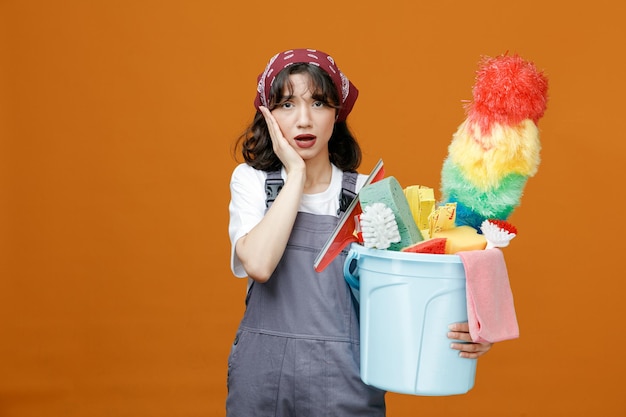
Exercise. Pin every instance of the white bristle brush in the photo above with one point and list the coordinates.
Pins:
(498, 233)
(378, 226)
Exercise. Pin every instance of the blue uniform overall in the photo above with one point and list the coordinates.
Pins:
(296, 352)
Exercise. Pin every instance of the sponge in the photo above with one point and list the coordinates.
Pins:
(422, 203)
(434, 246)
(462, 238)
(389, 192)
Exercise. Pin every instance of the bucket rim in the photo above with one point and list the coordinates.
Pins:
(407, 256)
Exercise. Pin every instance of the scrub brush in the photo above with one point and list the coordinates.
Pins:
(378, 225)
(498, 233)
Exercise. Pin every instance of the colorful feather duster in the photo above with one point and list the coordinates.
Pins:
(496, 149)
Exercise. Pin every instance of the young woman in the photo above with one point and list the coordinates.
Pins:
(296, 351)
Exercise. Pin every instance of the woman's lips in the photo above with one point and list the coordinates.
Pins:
(305, 141)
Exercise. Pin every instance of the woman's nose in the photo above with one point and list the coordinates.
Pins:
(304, 116)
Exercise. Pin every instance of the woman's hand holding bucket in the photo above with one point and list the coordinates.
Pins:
(467, 348)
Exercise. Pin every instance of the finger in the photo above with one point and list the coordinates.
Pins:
(459, 327)
(266, 112)
(279, 143)
(471, 350)
(472, 347)
(463, 336)
(471, 355)
(272, 124)
(283, 150)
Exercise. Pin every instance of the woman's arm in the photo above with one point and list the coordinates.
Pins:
(262, 248)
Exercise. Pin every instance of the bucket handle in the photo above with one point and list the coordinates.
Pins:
(351, 269)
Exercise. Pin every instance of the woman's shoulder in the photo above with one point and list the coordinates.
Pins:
(244, 172)
(243, 169)
(247, 187)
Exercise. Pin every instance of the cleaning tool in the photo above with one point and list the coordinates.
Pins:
(490, 307)
(378, 226)
(344, 233)
(496, 149)
(461, 238)
(406, 303)
(389, 192)
(498, 233)
(435, 246)
(422, 203)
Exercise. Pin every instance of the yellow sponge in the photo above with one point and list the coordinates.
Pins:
(421, 200)
(461, 238)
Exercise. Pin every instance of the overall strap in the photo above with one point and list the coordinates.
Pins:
(348, 191)
(273, 184)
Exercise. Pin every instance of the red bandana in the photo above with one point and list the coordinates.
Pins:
(278, 62)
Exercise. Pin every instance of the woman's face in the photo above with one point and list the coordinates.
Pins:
(306, 122)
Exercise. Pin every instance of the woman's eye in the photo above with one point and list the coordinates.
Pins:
(286, 105)
(319, 104)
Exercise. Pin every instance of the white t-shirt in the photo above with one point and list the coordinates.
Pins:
(247, 203)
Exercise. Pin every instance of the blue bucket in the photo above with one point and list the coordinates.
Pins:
(407, 301)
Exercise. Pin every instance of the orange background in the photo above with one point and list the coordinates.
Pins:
(116, 125)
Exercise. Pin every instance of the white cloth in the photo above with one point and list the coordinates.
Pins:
(247, 203)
